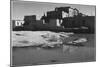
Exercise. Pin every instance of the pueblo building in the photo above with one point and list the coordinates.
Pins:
(61, 19)
(17, 23)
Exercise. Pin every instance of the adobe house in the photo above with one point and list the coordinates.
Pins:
(17, 23)
(29, 19)
(55, 18)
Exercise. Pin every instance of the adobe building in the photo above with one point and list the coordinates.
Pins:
(17, 23)
(29, 19)
(68, 17)
(58, 15)
(62, 18)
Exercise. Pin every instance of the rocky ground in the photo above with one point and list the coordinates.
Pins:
(45, 39)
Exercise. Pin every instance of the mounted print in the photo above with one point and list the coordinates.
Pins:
(52, 33)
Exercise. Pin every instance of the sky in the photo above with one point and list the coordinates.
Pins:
(21, 8)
